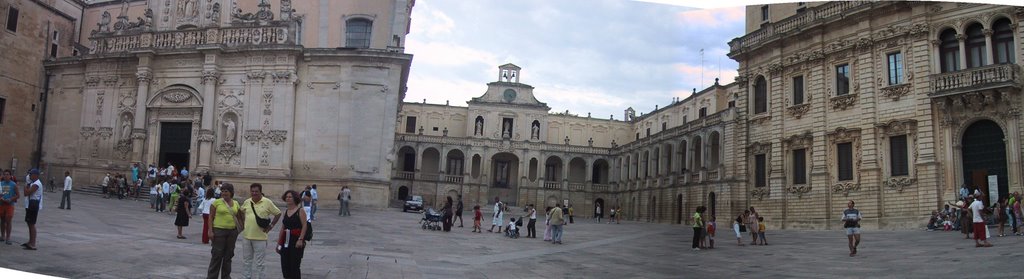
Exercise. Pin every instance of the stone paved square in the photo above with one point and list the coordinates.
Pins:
(103, 238)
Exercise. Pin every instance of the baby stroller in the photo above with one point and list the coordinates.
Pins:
(512, 231)
(431, 219)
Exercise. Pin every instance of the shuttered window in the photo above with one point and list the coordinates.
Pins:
(898, 163)
(844, 156)
(760, 179)
(800, 166)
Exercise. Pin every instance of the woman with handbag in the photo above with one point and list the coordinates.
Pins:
(292, 241)
(227, 222)
(738, 227)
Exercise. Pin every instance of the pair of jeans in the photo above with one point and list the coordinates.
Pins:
(222, 253)
(556, 233)
(66, 196)
(253, 252)
(344, 208)
(312, 211)
(531, 228)
(696, 237)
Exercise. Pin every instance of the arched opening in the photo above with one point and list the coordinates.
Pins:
(668, 158)
(697, 158)
(533, 169)
(505, 171)
(760, 95)
(478, 126)
(712, 202)
(984, 155)
(407, 159)
(577, 170)
(655, 162)
(949, 51)
(553, 169)
(679, 209)
(683, 166)
(634, 209)
(643, 164)
(403, 193)
(431, 158)
(475, 171)
(456, 162)
(627, 167)
(716, 147)
(599, 174)
(1002, 42)
(652, 210)
(975, 44)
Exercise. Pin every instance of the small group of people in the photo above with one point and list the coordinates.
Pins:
(971, 215)
(614, 214)
(253, 219)
(32, 191)
(705, 227)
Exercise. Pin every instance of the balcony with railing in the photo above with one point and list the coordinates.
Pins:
(552, 185)
(813, 16)
(453, 178)
(577, 186)
(275, 33)
(975, 79)
(599, 187)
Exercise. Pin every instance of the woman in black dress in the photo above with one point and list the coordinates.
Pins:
(183, 212)
(292, 243)
(447, 217)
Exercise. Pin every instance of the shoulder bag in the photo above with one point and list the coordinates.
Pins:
(263, 223)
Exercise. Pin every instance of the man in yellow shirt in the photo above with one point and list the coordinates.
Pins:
(254, 237)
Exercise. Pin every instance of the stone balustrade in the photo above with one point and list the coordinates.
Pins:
(552, 185)
(599, 187)
(502, 144)
(279, 34)
(971, 79)
(801, 21)
(577, 186)
(453, 178)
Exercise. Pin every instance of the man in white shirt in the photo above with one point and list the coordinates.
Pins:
(67, 191)
(166, 196)
(312, 194)
(106, 186)
(977, 208)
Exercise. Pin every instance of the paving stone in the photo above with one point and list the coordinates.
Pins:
(104, 238)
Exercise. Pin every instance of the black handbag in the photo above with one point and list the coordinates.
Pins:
(309, 231)
(263, 223)
(743, 228)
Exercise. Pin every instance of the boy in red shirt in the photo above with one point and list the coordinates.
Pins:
(477, 216)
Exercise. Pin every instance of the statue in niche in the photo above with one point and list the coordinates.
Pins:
(188, 9)
(479, 127)
(126, 127)
(507, 130)
(535, 134)
(229, 131)
(214, 13)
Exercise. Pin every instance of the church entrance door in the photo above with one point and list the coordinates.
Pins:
(984, 155)
(175, 141)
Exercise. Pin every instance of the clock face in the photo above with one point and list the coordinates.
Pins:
(510, 95)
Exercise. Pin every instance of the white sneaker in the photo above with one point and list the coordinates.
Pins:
(696, 249)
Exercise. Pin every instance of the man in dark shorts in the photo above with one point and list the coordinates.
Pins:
(851, 223)
(33, 191)
(458, 211)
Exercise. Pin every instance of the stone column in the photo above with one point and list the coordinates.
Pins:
(988, 48)
(206, 135)
(144, 75)
(963, 51)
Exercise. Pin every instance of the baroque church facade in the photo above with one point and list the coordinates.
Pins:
(269, 91)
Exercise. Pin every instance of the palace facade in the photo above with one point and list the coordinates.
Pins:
(894, 105)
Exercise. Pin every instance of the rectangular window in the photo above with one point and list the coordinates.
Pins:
(684, 119)
(12, 19)
(760, 170)
(435, 129)
(798, 90)
(410, 124)
(53, 44)
(732, 104)
(895, 68)
(844, 156)
(648, 132)
(3, 107)
(800, 166)
(664, 126)
(637, 135)
(764, 13)
(898, 162)
(702, 113)
(842, 79)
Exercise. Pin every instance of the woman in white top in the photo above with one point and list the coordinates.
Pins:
(153, 196)
(205, 208)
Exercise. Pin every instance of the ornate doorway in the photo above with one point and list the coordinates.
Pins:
(403, 193)
(175, 142)
(983, 150)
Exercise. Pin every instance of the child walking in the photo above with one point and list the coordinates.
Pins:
(760, 231)
(477, 216)
(711, 232)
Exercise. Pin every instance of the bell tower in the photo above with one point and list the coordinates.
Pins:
(508, 73)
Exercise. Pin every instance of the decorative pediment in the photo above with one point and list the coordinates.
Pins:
(799, 141)
(176, 96)
(843, 134)
(798, 111)
(759, 148)
(897, 127)
(843, 102)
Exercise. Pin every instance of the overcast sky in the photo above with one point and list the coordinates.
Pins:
(597, 56)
